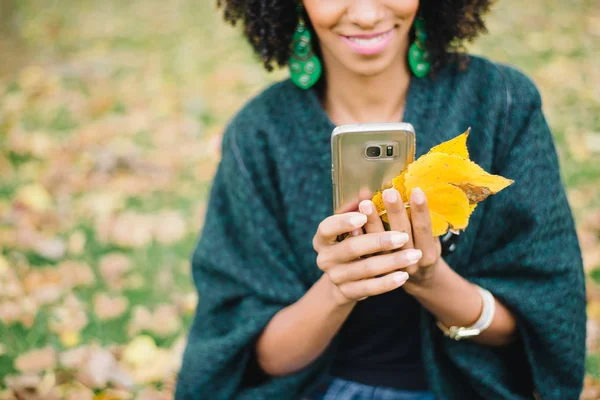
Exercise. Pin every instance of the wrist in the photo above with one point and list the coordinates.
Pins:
(486, 316)
(333, 294)
(429, 281)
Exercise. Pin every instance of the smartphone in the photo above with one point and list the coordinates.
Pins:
(365, 159)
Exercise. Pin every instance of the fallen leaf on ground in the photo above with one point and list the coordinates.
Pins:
(75, 273)
(69, 317)
(32, 387)
(132, 230)
(50, 248)
(75, 391)
(169, 227)
(33, 196)
(45, 284)
(70, 339)
(593, 334)
(97, 367)
(113, 394)
(146, 362)
(23, 309)
(6, 168)
(186, 303)
(36, 360)
(107, 307)
(140, 350)
(10, 312)
(10, 284)
(76, 244)
(164, 321)
(113, 267)
(152, 394)
(141, 319)
(73, 358)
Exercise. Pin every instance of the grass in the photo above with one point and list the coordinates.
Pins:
(155, 82)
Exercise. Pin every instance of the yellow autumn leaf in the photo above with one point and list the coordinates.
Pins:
(452, 183)
(142, 349)
(4, 266)
(70, 339)
(398, 183)
(34, 196)
(593, 309)
(112, 394)
(448, 206)
(456, 146)
(378, 201)
(435, 168)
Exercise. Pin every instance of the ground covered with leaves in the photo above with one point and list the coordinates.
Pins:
(110, 121)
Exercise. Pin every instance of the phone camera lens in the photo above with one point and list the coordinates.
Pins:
(390, 151)
(373, 151)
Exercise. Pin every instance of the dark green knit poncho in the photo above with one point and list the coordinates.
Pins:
(273, 187)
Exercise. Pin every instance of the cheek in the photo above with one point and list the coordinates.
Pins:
(324, 15)
(403, 8)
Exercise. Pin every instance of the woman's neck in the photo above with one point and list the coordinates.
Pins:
(350, 99)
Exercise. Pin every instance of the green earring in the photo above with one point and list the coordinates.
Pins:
(305, 66)
(418, 56)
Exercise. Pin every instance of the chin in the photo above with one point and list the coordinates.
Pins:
(370, 68)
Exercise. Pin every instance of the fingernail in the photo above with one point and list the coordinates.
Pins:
(400, 277)
(390, 195)
(417, 195)
(365, 207)
(398, 239)
(358, 221)
(414, 255)
(355, 232)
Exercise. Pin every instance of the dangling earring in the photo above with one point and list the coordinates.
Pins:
(305, 66)
(418, 56)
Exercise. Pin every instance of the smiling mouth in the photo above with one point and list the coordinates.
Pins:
(369, 40)
(369, 45)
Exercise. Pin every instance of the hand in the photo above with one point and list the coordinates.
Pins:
(353, 277)
(417, 226)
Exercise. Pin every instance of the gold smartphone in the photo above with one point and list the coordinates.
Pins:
(365, 159)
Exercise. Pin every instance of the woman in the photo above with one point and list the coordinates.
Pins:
(279, 313)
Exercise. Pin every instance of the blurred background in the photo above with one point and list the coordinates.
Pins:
(110, 120)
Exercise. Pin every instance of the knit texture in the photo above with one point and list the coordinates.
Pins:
(273, 188)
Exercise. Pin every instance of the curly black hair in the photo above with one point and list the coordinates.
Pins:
(269, 26)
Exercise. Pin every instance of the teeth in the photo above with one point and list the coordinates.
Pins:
(367, 42)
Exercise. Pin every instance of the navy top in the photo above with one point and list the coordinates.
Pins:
(380, 343)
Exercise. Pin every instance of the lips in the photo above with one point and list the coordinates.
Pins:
(369, 44)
